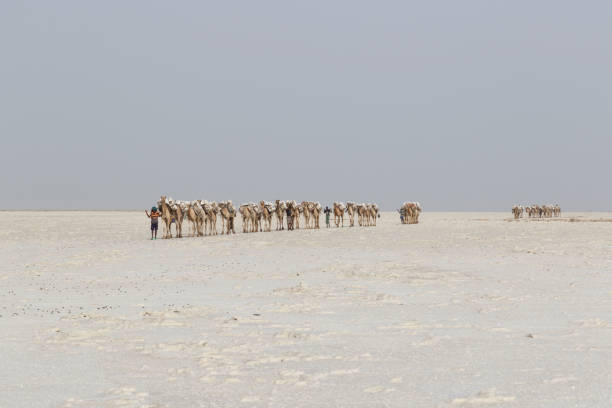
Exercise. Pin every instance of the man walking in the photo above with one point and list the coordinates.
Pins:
(327, 212)
(289, 219)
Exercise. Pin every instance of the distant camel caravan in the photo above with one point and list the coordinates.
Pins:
(536, 211)
(201, 215)
(409, 213)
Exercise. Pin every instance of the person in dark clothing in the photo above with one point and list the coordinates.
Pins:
(327, 212)
(289, 219)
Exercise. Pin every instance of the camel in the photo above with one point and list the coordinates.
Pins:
(280, 214)
(516, 212)
(171, 211)
(181, 211)
(201, 218)
(315, 214)
(184, 207)
(364, 215)
(213, 218)
(360, 210)
(205, 205)
(267, 209)
(195, 215)
(417, 212)
(557, 210)
(339, 214)
(373, 213)
(228, 214)
(368, 215)
(350, 211)
(245, 213)
(297, 209)
(210, 217)
(306, 208)
(166, 216)
(192, 218)
(295, 213)
(256, 216)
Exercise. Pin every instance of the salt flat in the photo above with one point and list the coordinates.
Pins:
(463, 309)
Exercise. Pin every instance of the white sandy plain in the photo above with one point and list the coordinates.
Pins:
(463, 309)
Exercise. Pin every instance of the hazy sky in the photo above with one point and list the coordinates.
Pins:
(461, 105)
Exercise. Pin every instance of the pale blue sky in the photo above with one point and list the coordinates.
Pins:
(470, 105)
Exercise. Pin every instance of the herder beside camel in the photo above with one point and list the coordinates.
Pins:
(154, 221)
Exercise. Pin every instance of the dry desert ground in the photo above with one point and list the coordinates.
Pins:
(463, 309)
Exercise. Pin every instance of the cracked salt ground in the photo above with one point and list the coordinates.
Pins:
(459, 310)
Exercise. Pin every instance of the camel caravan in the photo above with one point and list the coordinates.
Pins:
(201, 216)
(366, 214)
(409, 213)
(536, 211)
(258, 217)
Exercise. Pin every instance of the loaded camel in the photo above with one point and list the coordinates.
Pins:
(228, 214)
(339, 214)
(280, 214)
(350, 210)
(267, 209)
(171, 211)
